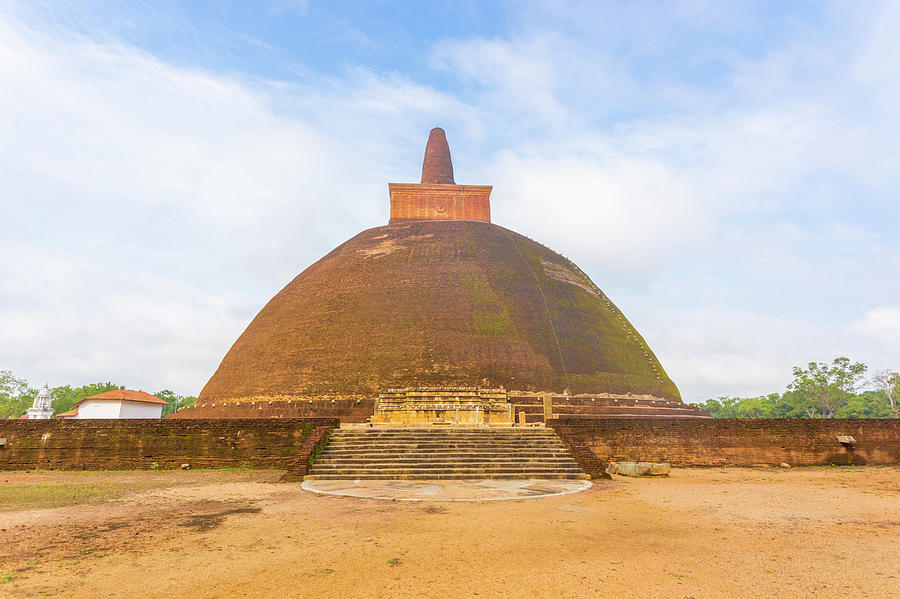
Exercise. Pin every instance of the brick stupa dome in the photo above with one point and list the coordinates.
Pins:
(438, 297)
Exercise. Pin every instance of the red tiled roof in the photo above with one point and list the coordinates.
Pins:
(68, 414)
(124, 395)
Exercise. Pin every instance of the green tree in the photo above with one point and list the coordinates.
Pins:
(823, 389)
(888, 382)
(174, 402)
(15, 395)
(868, 404)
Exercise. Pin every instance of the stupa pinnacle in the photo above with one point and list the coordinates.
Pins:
(438, 197)
(437, 168)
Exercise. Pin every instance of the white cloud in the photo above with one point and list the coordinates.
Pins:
(150, 210)
(741, 220)
(882, 324)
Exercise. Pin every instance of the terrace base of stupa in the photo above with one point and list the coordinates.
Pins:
(443, 406)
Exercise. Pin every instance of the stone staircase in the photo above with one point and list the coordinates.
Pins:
(445, 454)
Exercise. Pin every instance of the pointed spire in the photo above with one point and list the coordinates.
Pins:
(437, 168)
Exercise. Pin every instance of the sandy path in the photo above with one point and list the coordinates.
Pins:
(700, 533)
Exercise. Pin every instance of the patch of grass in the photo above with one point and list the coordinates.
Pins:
(243, 466)
(832, 467)
(46, 495)
(58, 494)
(8, 577)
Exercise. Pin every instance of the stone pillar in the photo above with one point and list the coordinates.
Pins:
(548, 407)
(521, 419)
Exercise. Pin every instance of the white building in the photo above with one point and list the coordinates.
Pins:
(118, 403)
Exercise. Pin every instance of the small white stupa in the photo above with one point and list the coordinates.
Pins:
(40, 409)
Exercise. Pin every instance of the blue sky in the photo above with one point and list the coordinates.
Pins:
(726, 172)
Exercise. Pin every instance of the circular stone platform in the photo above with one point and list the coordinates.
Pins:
(446, 490)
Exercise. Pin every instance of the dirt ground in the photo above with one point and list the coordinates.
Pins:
(710, 533)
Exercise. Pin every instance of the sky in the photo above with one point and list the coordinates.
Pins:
(727, 172)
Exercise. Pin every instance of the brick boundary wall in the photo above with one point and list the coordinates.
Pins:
(306, 456)
(137, 444)
(583, 454)
(736, 442)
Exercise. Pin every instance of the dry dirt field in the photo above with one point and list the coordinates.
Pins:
(830, 532)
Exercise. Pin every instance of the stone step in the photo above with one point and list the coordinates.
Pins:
(435, 458)
(444, 476)
(439, 442)
(445, 460)
(449, 432)
(448, 464)
(473, 472)
(459, 454)
(445, 455)
(381, 448)
(537, 434)
(444, 436)
(462, 436)
(443, 449)
(448, 447)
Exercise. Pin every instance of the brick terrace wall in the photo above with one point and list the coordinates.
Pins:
(138, 444)
(601, 406)
(346, 410)
(360, 409)
(737, 442)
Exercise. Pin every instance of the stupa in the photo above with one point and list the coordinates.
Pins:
(439, 297)
(41, 409)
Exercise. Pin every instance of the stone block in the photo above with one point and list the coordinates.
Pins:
(659, 469)
(638, 469)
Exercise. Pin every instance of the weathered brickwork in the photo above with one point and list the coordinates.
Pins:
(410, 201)
(142, 444)
(437, 303)
(736, 442)
(603, 406)
(583, 454)
(360, 409)
(346, 410)
(307, 454)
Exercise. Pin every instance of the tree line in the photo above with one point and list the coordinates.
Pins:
(16, 396)
(837, 390)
